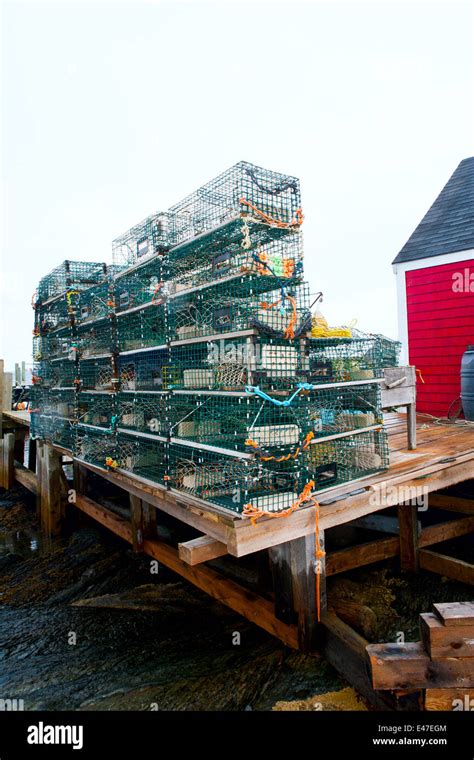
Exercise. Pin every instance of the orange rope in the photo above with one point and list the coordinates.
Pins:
(418, 372)
(307, 440)
(296, 222)
(156, 291)
(289, 333)
(254, 513)
(319, 556)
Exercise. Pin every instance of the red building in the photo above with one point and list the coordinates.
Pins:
(435, 284)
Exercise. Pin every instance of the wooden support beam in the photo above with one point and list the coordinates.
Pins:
(442, 640)
(434, 534)
(8, 460)
(149, 519)
(19, 451)
(201, 550)
(2, 468)
(51, 502)
(243, 601)
(80, 478)
(449, 699)
(39, 478)
(408, 523)
(364, 554)
(25, 477)
(355, 614)
(280, 563)
(136, 521)
(411, 425)
(456, 569)
(408, 666)
(303, 573)
(451, 503)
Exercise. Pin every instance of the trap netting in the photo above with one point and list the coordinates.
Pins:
(57, 373)
(145, 457)
(142, 329)
(95, 446)
(139, 286)
(145, 412)
(143, 370)
(98, 374)
(350, 457)
(244, 189)
(97, 338)
(57, 344)
(232, 482)
(234, 306)
(57, 314)
(153, 235)
(242, 423)
(97, 408)
(70, 275)
(348, 407)
(231, 364)
(95, 303)
(237, 248)
(335, 360)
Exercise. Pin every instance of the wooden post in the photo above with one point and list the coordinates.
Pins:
(303, 569)
(411, 421)
(51, 502)
(2, 473)
(280, 559)
(408, 524)
(149, 520)
(8, 460)
(32, 454)
(136, 519)
(39, 478)
(80, 478)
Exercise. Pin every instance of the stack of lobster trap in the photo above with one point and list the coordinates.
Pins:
(190, 362)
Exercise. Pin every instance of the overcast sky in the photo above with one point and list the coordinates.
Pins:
(111, 112)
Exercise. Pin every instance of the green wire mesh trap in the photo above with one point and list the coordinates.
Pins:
(229, 195)
(143, 412)
(153, 235)
(57, 314)
(143, 456)
(97, 338)
(97, 408)
(144, 370)
(241, 423)
(70, 275)
(142, 329)
(139, 286)
(95, 303)
(98, 374)
(333, 462)
(232, 482)
(362, 357)
(231, 364)
(345, 408)
(234, 306)
(237, 248)
(98, 447)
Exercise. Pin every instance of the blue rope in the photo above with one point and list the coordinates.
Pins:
(254, 389)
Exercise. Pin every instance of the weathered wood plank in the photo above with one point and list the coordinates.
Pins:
(449, 699)
(434, 534)
(408, 666)
(280, 561)
(408, 524)
(456, 569)
(201, 549)
(25, 477)
(446, 640)
(451, 503)
(364, 554)
(8, 460)
(136, 515)
(455, 613)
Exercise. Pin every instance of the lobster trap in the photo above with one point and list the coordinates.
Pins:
(240, 422)
(62, 432)
(231, 364)
(142, 455)
(58, 344)
(57, 314)
(96, 446)
(139, 286)
(97, 338)
(142, 329)
(233, 482)
(237, 248)
(70, 275)
(143, 370)
(153, 235)
(344, 408)
(57, 373)
(349, 457)
(95, 303)
(336, 360)
(234, 306)
(144, 412)
(244, 189)
(98, 409)
(98, 374)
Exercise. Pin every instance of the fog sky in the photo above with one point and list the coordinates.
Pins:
(111, 112)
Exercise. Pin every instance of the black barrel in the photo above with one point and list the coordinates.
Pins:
(467, 383)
